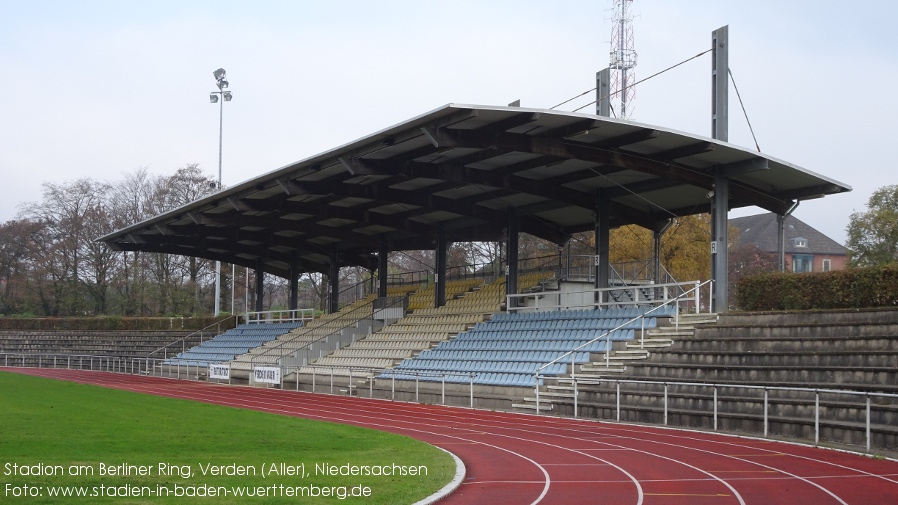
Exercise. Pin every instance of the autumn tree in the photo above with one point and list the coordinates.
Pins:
(73, 271)
(16, 262)
(873, 234)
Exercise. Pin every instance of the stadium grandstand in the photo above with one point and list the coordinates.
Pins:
(557, 339)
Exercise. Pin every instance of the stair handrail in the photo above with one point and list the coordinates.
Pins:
(608, 297)
(363, 311)
(396, 302)
(607, 336)
(183, 339)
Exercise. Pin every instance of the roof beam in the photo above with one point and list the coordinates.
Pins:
(684, 151)
(428, 200)
(640, 163)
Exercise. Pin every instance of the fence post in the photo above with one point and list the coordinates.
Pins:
(608, 350)
(575, 398)
(765, 412)
(665, 404)
(350, 382)
(816, 418)
(715, 408)
(332, 380)
(472, 391)
(313, 378)
(536, 389)
(698, 297)
(444, 389)
(392, 386)
(371, 386)
(618, 400)
(642, 334)
(868, 423)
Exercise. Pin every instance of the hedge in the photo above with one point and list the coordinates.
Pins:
(844, 289)
(111, 323)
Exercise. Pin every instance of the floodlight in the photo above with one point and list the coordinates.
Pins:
(222, 83)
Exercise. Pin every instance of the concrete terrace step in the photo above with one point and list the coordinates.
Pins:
(569, 389)
(599, 368)
(630, 355)
(670, 332)
(531, 405)
(651, 343)
(554, 394)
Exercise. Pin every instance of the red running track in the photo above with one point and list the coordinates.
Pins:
(525, 459)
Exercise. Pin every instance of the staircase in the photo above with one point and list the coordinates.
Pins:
(616, 363)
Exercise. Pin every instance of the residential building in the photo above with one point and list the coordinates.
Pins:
(806, 249)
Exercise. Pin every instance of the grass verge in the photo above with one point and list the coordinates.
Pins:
(129, 448)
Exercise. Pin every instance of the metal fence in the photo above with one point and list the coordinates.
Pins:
(804, 408)
(871, 416)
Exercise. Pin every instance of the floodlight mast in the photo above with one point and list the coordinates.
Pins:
(226, 96)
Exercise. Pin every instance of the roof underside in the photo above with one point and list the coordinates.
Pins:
(465, 169)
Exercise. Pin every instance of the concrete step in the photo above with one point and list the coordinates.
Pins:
(650, 343)
(630, 354)
(586, 377)
(555, 394)
(670, 332)
(543, 406)
(612, 362)
(600, 368)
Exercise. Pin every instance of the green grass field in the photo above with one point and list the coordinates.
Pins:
(67, 429)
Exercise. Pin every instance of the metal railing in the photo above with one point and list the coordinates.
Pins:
(622, 296)
(688, 295)
(329, 373)
(352, 318)
(203, 333)
(873, 404)
(157, 367)
(280, 316)
(762, 397)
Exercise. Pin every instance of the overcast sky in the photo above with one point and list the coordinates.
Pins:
(101, 88)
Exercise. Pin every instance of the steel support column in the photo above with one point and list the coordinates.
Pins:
(442, 250)
(719, 81)
(781, 237)
(602, 245)
(333, 281)
(720, 204)
(294, 284)
(511, 278)
(603, 93)
(720, 239)
(781, 243)
(260, 285)
(382, 252)
(657, 233)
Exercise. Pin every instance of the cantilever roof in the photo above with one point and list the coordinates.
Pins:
(461, 170)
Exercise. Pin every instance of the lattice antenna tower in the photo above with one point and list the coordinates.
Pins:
(623, 57)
